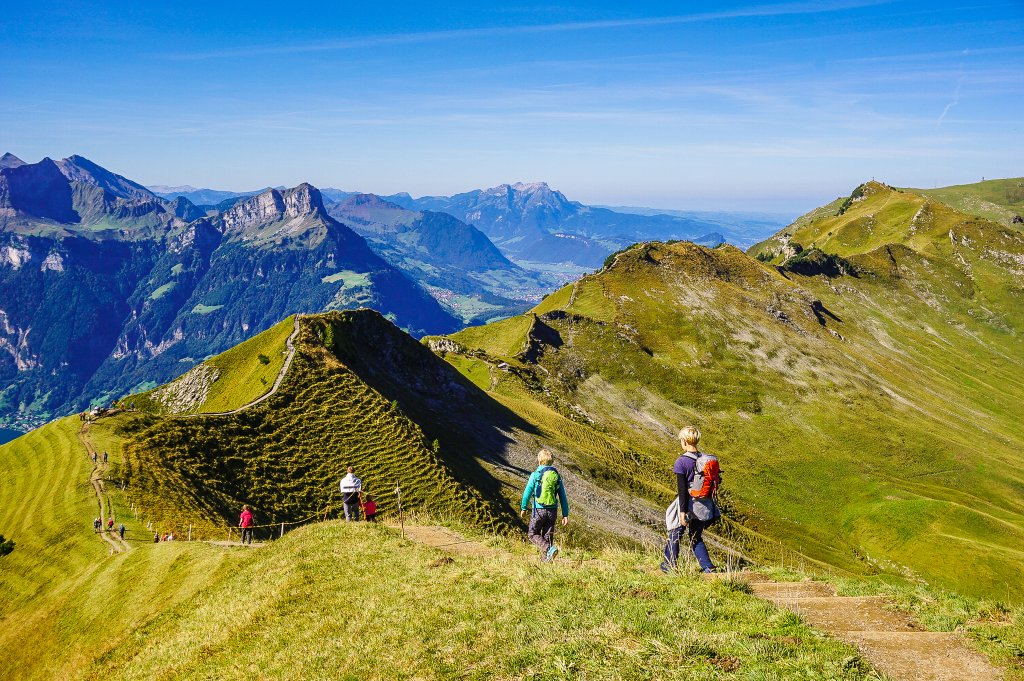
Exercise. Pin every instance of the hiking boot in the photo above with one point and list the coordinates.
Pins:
(664, 567)
(552, 552)
(710, 570)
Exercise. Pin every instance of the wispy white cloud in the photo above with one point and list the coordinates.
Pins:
(793, 8)
(956, 95)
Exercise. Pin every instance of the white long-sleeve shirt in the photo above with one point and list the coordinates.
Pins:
(351, 484)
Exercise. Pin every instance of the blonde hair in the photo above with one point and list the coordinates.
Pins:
(689, 436)
(544, 457)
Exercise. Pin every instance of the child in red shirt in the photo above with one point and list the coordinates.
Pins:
(370, 510)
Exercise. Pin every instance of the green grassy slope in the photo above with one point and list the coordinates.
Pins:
(344, 601)
(870, 421)
(996, 200)
(242, 374)
(285, 455)
(354, 600)
(64, 599)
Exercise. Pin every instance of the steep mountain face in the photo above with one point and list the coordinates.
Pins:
(115, 288)
(532, 222)
(860, 380)
(9, 160)
(38, 190)
(461, 267)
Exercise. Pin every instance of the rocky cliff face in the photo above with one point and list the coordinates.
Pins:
(273, 206)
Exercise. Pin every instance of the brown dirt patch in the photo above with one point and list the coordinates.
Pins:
(448, 540)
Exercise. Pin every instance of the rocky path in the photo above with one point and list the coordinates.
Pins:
(891, 641)
(104, 507)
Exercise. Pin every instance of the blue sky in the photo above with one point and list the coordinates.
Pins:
(677, 105)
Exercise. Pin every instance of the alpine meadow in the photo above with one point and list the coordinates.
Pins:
(528, 342)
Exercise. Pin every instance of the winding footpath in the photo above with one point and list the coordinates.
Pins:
(290, 349)
(103, 505)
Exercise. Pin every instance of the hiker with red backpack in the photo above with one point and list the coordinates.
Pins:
(547, 491)
(696, 506)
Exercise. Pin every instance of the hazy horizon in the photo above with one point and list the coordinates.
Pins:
(738, 106)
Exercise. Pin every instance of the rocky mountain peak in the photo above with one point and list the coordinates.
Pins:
(9, 160)
(304, 199)
(36, 189)
(80, 169)
(272, 206)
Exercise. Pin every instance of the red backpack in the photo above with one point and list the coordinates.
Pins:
(707, 476)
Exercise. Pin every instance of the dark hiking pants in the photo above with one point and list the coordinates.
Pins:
(542, 528)
(246, 535)
(695, 534)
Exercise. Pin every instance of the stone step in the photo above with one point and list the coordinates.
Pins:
(848, 613)
(922, 655)
(774, 590)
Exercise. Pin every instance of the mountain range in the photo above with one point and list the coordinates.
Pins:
(858, 373)
(457, 262)
(537, 226)
(109, 287)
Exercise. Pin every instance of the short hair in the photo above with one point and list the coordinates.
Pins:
(689, 435)
(544, 457)
(351, 470)
(245, 507)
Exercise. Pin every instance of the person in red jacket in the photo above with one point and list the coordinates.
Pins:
(370, 509)
(245, 522)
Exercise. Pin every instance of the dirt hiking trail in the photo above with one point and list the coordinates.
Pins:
(447, 540)
(890, 640)
(104, 507)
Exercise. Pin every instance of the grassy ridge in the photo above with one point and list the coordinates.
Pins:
(866, 421)
(996, 200)
(344, 601)
(244, 373)
(285, 455)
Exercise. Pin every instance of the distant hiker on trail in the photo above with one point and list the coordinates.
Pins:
(697, 480)
(94, 457)
(245, 522)
(547, 491)
(110, 524)
(156, 538)
(104, 457)
(97, 524)
(370, 509)
(351, 495)
(120, 530)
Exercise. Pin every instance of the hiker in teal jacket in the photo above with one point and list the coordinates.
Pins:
(547, 491)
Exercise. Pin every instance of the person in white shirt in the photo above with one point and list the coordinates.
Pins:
(351, 495)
